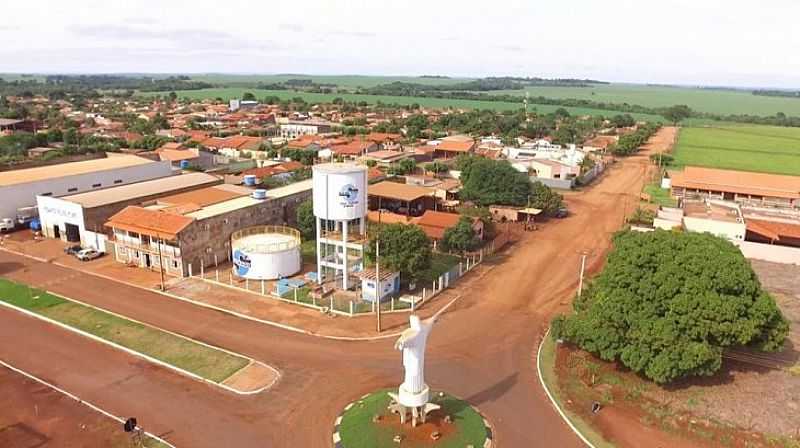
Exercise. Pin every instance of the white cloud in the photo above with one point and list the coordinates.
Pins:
(734, 42)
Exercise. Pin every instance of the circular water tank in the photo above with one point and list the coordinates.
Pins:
(266, 252)
(340, 191)
(259, 194)
(249, 179)
(184, 164)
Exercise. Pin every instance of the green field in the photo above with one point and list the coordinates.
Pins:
(704, 100)
(748, 148)
(227, 93)
(207, 362)
(348, 81)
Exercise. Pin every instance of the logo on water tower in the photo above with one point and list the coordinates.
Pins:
(349, 195)
(242, 263)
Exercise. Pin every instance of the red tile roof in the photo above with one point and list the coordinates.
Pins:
(455, 146)
(741, 182)
(434, 224)
(774, 230)
(149, 222)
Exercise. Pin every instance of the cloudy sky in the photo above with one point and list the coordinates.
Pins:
(716, 42)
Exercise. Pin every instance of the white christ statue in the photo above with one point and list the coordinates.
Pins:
(414, 393)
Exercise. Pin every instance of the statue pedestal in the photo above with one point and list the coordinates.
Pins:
(416, 403)
(413, 400)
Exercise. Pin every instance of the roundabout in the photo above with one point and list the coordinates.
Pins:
(369, 422)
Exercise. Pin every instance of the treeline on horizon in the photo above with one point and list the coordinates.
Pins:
(91, 86)
(778, 93)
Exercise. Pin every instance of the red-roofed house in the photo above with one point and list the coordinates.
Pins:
(434, 224)
(448, 149)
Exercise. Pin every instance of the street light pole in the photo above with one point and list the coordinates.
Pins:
(160, 262)
(378, 282)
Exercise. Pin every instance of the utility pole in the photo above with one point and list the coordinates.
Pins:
(580, 281)
(160, 263)
(378, 282)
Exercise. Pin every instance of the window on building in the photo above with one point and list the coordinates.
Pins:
(97, 185)
(133, 235)
(70, 190)
(175, 264)
(50, 193)
(118, 181)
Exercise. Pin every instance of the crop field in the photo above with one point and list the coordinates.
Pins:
(227, 93)
(748, 148)
(348, 81)
(704, 100)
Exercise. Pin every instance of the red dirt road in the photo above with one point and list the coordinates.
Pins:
(482, 350)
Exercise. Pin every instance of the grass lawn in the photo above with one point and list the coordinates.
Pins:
(204, 361)
(227, 93)
(547, 361)
(766, 149)
(440, 263)
(660, 196)
(357, 429)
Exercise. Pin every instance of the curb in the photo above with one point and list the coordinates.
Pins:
(337, 439)
(79, 400)
(142, 355)
(206, 305)
(550, 395)
(219, 309)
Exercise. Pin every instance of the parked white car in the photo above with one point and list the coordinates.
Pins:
(6, 225)
(88, 254)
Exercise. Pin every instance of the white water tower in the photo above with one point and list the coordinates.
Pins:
(340, 207)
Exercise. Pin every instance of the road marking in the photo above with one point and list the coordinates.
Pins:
(79, 400)
(550, 396)
(142, 355)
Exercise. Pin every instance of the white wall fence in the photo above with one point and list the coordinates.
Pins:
(769, 252)
(338, 303)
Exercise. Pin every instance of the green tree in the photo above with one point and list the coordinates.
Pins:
(668, 303)
(248, 96)
(489, 182)
(545, 199)
(461, 237)
(436, 167)
(306, 223)
(676, 114)
(404, 248)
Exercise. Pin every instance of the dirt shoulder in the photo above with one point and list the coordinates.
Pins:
(32, 414)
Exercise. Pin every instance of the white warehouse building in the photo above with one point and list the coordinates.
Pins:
(19, 188)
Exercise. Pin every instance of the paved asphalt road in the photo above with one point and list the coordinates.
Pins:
(482, 350)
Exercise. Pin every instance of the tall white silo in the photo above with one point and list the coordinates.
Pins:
(340, 207)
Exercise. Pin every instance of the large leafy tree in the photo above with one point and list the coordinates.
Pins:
(487, 182)
(404, 248)
(545, 199)
(667, 304)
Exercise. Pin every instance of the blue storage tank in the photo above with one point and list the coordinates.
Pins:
(249, 180)
(259, 194)
(184, 164)
(35, 224)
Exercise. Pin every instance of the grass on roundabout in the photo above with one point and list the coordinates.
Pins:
(358, 430)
